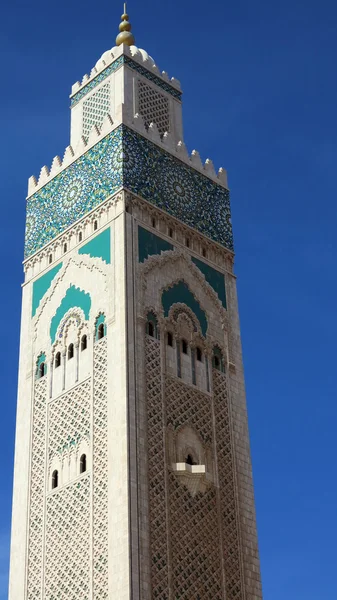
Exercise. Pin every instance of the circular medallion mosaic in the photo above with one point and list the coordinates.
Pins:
(72, 191)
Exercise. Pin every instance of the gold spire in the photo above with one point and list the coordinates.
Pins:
(125, 36)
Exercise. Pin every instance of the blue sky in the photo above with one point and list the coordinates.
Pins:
(260, 97)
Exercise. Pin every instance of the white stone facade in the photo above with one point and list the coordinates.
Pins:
(164, 507)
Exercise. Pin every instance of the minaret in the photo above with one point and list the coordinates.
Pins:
(132, 465)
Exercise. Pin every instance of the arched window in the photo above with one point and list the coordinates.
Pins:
(80, 236)
(50, 258)
(65, 248)
(57, 359)
(189, 460)
(54, 480)
(41, 366)
(152, 325)
(169, 339)
(199, 354)
(100, 327)
(95, 225)
(70, 351)
(84, 343)
(184, 346)
(218, 361)
(83, 463)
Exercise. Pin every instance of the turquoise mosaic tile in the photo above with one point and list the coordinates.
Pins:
(126, 159)
(150, 244)
(133, 65)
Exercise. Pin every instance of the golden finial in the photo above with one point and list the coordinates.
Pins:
(125, 36)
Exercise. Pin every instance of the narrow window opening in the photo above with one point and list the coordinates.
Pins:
(218, 361)
(187, 242)
(95, 225)
(171, 232)
(84, 343)
(204, 252)
(100, 333)
(71, 351)
(65, 248)
(57, 359)
(42, 369)
(80, 236)
(83, 463)
(189, 460)
(199, 354)
(50, 258)
(170, 339)
(184, 347)
(150, 329)
(153, 221)
(54, 480)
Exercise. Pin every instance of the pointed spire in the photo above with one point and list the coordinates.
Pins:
(125, 36)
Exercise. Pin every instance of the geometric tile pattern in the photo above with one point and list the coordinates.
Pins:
(100, 472)
(229, 509)
(95, 109)
(124, 158)
(157, 468)
(67, 567)
(35, 545)
(136, 67)
(69, 419)
(154, 107)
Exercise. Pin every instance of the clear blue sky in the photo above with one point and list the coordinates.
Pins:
(260, 98)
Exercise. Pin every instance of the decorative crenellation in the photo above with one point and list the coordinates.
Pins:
(100, 130)
(113, 59)
(126, 159)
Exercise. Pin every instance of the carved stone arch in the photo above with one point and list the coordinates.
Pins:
(170, 268)
(74, 316)
(184, 320)
(84, 273)
(188, 441)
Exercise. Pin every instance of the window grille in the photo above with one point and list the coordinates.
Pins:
(96, 108)
(154, 107)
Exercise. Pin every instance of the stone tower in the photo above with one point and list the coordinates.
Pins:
(132, 465)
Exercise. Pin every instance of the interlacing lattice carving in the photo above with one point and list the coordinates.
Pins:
(229, 509)
(195, 544)
(67, 567)
(157, 466)
(195, 540)
(100, 472)
(154, 107)
(96, 108)
(186, 405)
(69, 419)
(35, 545)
